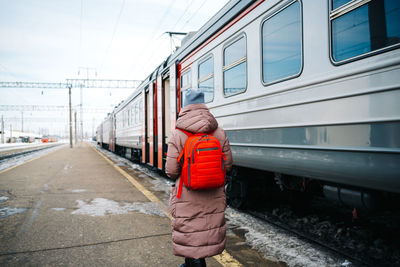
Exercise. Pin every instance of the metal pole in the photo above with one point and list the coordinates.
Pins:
(70, 118)
(76, 136)
(22, 122)
(81, 111)
(2, 129)
(93, 122)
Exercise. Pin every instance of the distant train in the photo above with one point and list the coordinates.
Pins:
(307, 91)
(49, 139)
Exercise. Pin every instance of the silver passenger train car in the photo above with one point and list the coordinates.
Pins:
(307, 91)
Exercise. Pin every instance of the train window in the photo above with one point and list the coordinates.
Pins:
(206, 79)
(186, 80)
(361, 27)
(339, 3)
(137, 113)
(186, 84)
(140, 110)
(235, 69)
(282, 44)
(134, 115)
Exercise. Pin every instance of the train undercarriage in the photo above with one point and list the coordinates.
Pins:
(244, 186)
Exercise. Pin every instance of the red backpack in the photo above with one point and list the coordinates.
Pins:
(203, 162)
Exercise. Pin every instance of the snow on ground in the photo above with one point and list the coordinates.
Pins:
(102, 207)
(12, 146)
(275, 243)
(270, 241)
(8, 211)
(18, 160)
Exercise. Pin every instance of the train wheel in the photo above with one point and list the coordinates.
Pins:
(236, 190)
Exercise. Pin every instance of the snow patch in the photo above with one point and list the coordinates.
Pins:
(276, 244)
(58, 209)
(3, 198)
(102, 207)
(7, 211)
(66, 167)
(18, 160)
(78, 190)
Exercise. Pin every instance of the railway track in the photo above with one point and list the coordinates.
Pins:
(23, 151)
(306, 237)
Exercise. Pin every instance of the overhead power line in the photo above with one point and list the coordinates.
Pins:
(33, 85)
(113, 34)
(75, 83)
(100, 83)
(50, 108)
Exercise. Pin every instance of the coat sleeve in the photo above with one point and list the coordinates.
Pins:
(225, 146)
(172, 167)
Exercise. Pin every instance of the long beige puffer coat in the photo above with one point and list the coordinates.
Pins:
(198, 217)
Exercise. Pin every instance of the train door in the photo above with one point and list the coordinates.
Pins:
(160, 121)
(148, 126)
(173, 96)
(154, 158)
(163, 119)
(167, 119)
(112, 132)
(143, 109)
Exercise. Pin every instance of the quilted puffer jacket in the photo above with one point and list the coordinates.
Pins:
(198, 217)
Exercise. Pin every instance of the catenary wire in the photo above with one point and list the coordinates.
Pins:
(113, 34)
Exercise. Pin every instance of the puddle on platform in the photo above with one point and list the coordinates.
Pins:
(102, 207)
(7, 211)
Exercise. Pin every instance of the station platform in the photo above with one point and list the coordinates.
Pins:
(76, 207)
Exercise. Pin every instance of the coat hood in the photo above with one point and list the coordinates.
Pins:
(196, 118)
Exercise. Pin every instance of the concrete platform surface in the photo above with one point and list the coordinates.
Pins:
(75, 207)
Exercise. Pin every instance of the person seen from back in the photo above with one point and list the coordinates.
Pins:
(198, 216)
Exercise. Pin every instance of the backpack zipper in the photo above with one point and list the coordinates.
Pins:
(207, 149)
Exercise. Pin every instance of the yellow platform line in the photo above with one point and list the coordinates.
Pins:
(225, 259)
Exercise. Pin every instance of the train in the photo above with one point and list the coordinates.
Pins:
(308, 93)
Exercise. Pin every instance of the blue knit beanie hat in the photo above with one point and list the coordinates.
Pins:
(193, 97)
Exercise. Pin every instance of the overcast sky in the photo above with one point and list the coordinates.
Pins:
(52, 40)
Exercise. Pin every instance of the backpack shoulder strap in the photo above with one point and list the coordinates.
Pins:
(179, 159)
(189, 134)
(185, 132)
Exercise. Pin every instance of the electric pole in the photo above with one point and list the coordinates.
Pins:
(2, 129)
(93, 122)
(81, 92)
(22, 121)
(70, 117)
(76, 136)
